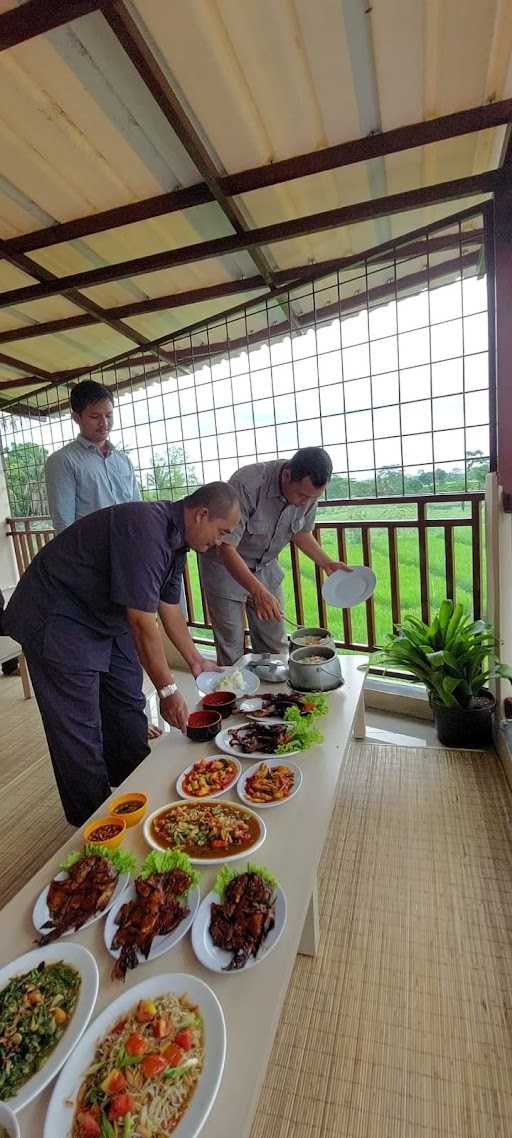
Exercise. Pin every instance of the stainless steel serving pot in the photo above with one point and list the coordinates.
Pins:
(317, 675)
(325, 639)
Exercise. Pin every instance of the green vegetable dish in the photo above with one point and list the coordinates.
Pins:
(35, 1010)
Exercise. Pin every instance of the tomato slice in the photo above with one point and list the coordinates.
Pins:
(173, 1054)
(184, 1039)
(135, 1044)
(153, 1065)
(120, 1106)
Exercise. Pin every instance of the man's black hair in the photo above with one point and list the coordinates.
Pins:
(88, 392)
(313, 463)
(219, 498)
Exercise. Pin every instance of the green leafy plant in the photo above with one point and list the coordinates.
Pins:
(166, 860)
(227, 874)
(454, 656)
(302, 733)
(123, 861)
(316, 704)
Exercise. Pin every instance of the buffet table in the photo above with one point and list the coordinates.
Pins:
(296, 832)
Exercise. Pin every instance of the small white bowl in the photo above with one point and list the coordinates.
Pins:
(9, 1121)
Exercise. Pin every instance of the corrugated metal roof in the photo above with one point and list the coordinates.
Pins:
(261, 81)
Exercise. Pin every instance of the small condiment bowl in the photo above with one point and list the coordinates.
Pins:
(203, 725)
(223, 701)
(9, 1121)
(131, 817)
(109, 820)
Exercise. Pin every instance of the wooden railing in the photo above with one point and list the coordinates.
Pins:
(433, 551)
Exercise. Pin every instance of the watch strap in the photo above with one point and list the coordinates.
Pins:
(169, 689)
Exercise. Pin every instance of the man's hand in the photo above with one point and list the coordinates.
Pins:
(175, 711)
(333, 567)
(202, 665)
(265, 604)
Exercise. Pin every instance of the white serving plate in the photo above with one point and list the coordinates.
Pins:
(223, 743)
(62, 1104)
(281, 761)
(209, 681)
(215, 958)
(161, 944)
(83, 961)
(207, 797)
(41, 912)
(205, 861)
(344, 590)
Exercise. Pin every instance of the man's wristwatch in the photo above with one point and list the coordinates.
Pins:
(169, 689)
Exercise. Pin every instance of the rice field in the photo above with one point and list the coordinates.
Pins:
(408, 567)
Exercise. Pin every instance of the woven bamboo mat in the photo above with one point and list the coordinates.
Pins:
(401, 1027)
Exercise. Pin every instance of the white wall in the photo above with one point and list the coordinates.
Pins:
(8, 570)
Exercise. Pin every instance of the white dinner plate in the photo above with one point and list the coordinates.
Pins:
(344, 590)
(209, 681)
(223, 856)
(161, 944)
(60, 1112)
(216, 959)
(207, 797)
(223, 743)
(41, 912)
(281, 761)
(83, 961)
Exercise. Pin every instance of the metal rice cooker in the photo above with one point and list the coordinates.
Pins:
(324, 638)
(315, 668)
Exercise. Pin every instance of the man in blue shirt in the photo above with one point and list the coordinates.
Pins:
(88, 473)
(84, 612)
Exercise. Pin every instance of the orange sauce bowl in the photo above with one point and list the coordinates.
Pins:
(131, 817)
(92, 831)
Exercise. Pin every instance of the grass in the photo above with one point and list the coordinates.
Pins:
(408, 567)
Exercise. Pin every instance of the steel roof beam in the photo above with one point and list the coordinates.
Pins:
(316, 162)
(268, 234)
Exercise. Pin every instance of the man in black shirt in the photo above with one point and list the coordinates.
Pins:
(84, 613)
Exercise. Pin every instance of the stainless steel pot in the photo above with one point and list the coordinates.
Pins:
(308, 675)
(325, 639)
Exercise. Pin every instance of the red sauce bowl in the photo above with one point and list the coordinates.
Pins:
(203, 725)
(223, 701)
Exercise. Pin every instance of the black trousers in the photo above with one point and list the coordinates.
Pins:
(95, 726)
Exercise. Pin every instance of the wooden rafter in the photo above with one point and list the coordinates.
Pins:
(37, 17)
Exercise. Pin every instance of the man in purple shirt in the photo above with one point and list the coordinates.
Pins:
(84, 612)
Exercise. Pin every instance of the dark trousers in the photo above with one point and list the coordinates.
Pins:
(95, 726)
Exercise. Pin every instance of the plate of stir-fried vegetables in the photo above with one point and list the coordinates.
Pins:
(46, 1000)
(150, 1065)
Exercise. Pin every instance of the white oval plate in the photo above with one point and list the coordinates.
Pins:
(81, 959)
(161, 944)
(215, 958)
(208, 860)
(223, 743)
(209, 681)
(344, 590)
(60, 1112)
(41, 912)
(281, 761)
(206, 797)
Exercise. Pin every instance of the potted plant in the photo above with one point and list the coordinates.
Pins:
(454, 657)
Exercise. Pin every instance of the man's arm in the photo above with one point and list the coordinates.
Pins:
(61, 491)
(309, 545)
(265, 604)
(175, 626)
(150, 651)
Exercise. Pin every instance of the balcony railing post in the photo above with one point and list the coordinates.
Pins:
(394, 576)
(476, 559)
(423, 548)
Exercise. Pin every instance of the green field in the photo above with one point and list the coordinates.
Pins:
(408, 559)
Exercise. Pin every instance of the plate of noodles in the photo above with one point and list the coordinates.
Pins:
(150, 1064)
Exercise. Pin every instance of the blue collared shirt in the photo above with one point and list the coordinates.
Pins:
(79, 480)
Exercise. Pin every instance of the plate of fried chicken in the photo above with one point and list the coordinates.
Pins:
(78, 896)
(240, 921)
(153, 915)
